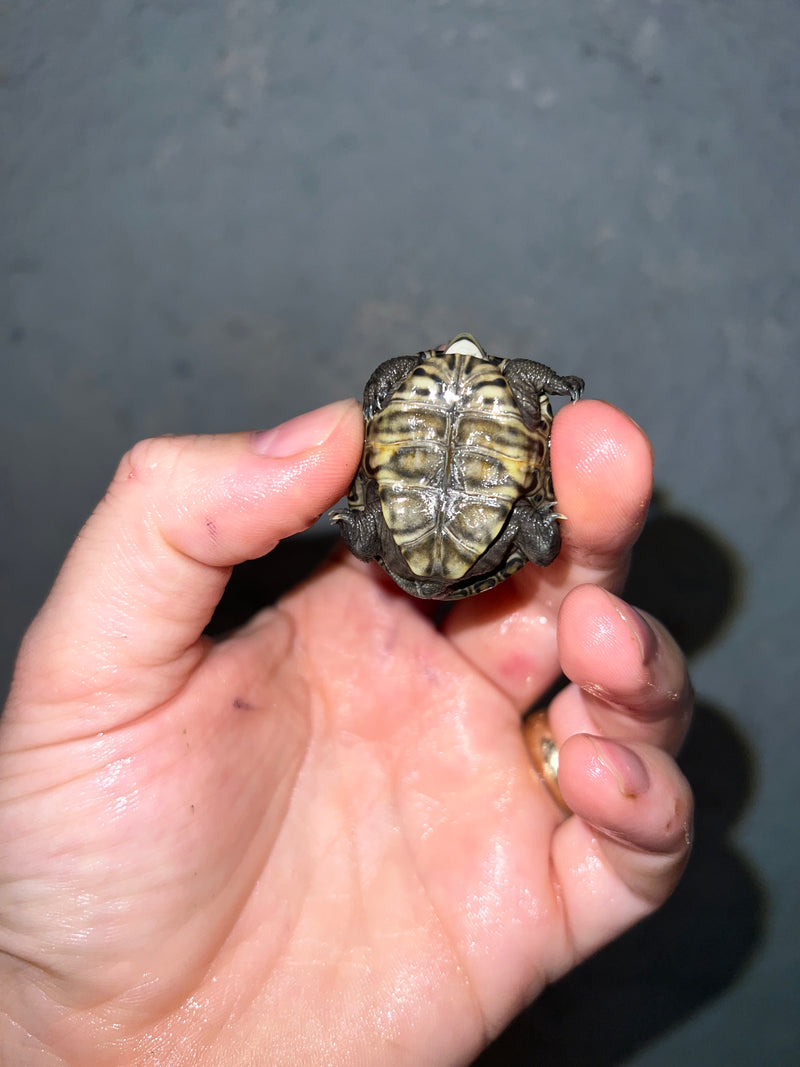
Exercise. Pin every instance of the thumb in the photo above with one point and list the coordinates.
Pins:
(125, 616)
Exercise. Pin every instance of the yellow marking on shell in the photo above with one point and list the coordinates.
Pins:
(410, 465)
(508, 439)
(476, 469)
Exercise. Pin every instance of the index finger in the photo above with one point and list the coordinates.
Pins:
(603, 475)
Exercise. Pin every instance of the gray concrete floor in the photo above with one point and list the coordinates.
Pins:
(218, 214)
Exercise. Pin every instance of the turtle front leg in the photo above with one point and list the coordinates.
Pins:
(385, 379)
(529, 379)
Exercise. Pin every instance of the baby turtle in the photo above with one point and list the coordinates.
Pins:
(454, 492)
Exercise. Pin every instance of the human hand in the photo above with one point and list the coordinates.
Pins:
(320, 840)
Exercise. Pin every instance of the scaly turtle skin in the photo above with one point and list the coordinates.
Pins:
(454, 492)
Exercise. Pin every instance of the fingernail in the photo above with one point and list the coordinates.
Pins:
(642, 632)
(638, 627)
(629, 772)
(303, 432)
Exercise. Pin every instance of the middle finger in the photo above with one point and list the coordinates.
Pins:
(630, 680)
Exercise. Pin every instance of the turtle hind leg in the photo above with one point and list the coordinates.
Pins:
(536, 531)
(531, 535)
(360, 529)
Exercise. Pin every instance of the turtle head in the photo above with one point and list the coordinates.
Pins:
(464, 344)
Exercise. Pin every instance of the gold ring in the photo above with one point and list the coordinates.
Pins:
(544, 753)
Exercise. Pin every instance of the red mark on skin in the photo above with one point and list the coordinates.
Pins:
(525, 639)
(518, 667)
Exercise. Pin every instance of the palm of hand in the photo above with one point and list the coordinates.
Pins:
(363, 806)
(333, 811)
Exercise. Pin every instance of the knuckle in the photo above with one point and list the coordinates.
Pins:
(153, 458)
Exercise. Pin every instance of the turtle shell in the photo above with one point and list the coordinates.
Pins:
(451, 453)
